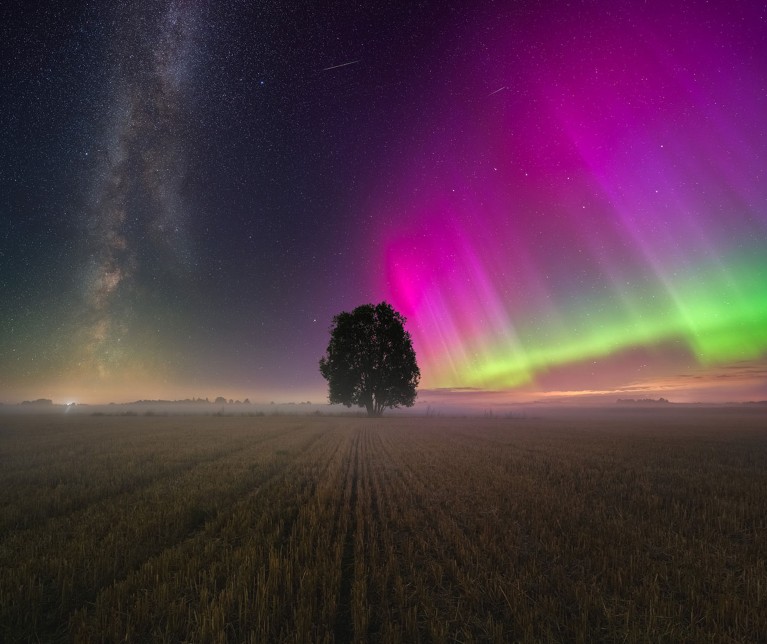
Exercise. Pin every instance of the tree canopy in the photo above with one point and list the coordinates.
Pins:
(370, 361)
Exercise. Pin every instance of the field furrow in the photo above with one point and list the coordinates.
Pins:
(347, 526)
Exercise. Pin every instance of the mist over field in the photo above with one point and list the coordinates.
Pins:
(429, 404)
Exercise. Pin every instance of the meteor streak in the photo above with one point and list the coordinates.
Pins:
(354, 62)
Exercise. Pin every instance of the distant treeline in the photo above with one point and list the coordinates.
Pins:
(641, 401)
(217, 401)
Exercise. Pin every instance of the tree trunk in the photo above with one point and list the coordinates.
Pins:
(374, 408)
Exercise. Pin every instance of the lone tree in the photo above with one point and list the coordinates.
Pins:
(370, 361)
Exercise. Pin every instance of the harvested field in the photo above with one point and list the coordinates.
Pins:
(612, 526)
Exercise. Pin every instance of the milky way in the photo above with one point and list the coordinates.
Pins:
(137, 220)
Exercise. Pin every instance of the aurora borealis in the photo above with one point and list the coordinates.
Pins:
(611, 213)
(564, 201)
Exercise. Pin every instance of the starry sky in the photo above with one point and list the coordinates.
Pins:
(568, 201)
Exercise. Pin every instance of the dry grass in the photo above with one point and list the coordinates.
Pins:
(613, 527)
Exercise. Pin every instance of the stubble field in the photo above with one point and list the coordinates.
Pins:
(610, 526)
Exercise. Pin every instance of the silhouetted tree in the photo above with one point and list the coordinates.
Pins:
(370, 361)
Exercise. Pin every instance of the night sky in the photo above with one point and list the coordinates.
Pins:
(564, 199)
